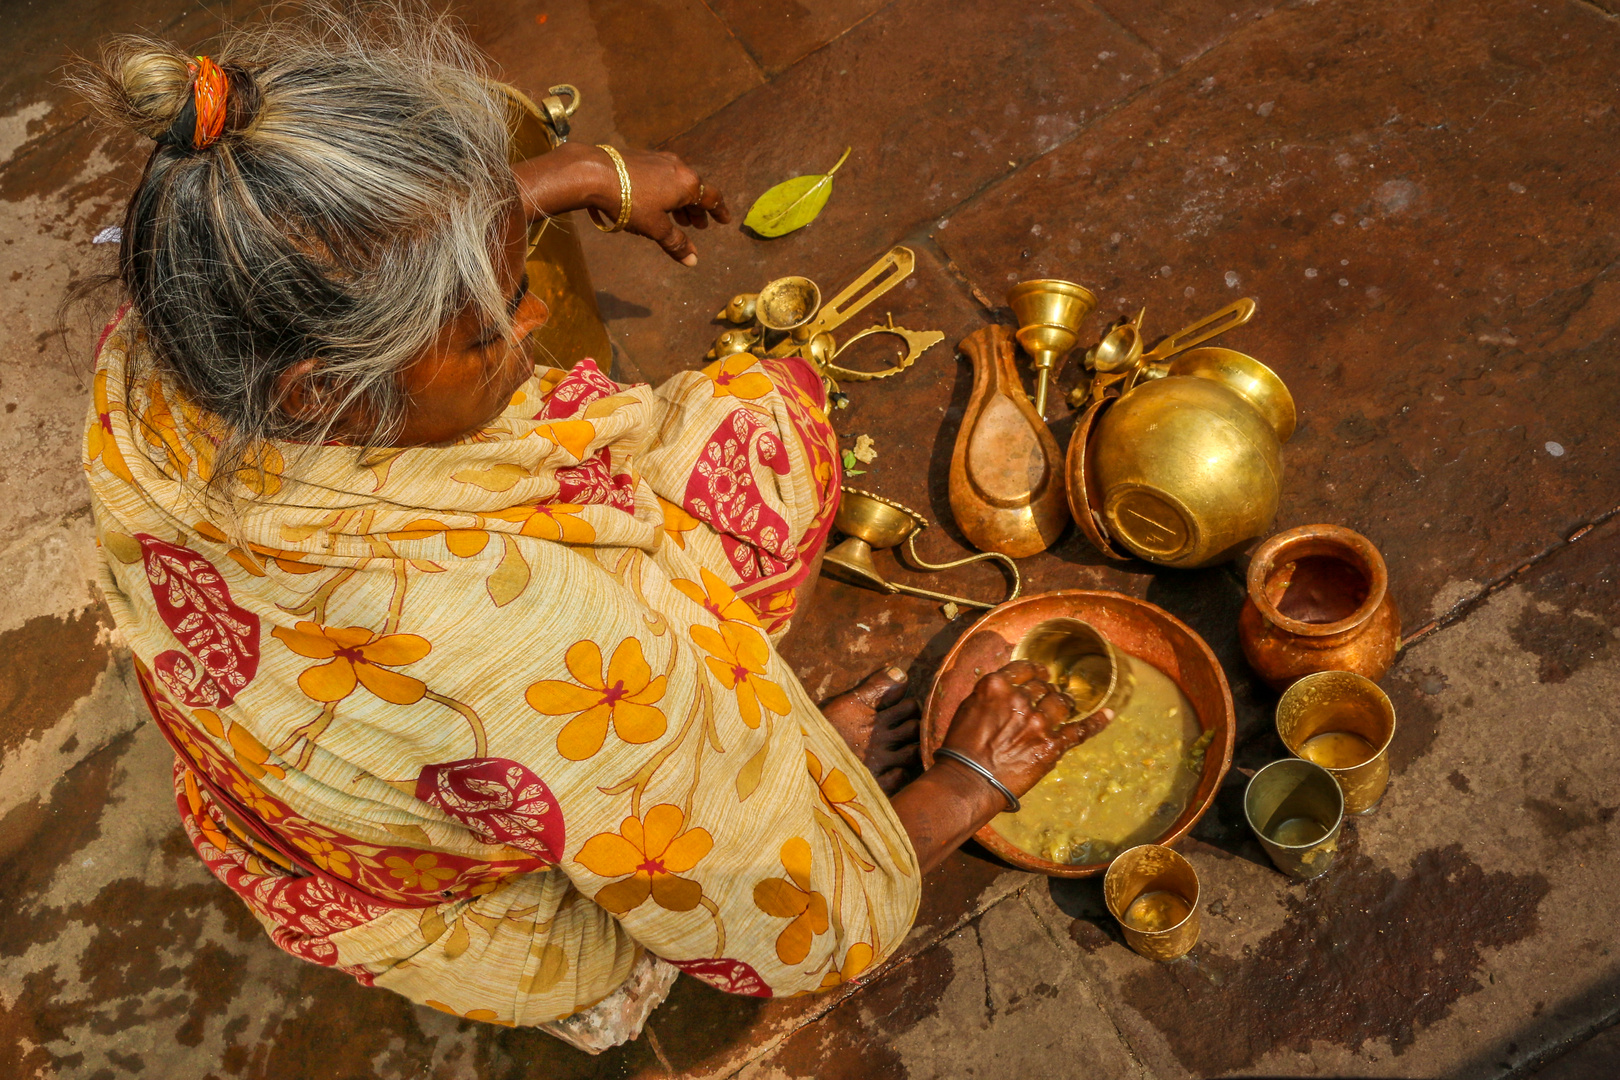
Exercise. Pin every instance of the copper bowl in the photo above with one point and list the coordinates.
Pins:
(1141, 629)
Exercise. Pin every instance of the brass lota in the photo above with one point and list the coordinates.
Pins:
(1183, 470)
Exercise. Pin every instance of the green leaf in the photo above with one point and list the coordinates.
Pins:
(792, 204)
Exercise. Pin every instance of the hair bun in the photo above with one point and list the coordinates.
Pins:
(142, 84)
(147, 86)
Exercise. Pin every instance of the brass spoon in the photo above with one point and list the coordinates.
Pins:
(1120, 347)
(1120, 354)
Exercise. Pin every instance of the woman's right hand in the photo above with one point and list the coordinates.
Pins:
(1017, 725)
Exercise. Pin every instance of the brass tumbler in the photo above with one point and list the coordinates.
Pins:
(1296, 808)
(1153, 892)
(1344, 723)
(1081, 662)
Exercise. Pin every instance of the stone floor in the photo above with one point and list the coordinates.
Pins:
(1425, 200)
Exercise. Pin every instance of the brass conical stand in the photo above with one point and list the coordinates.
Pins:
(1049, 314)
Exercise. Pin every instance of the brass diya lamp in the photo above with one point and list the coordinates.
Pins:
(787, 318)
(872, 523)
(1183, 469)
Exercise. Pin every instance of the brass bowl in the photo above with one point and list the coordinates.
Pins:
(1141, 629)
(787, 303)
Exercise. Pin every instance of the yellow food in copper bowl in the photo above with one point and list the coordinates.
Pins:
(1183, 727)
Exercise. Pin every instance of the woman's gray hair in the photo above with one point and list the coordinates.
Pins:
(346, 213)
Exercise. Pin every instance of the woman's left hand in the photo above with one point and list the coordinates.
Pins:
(665, 194)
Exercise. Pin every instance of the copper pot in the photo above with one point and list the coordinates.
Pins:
(1318, 601)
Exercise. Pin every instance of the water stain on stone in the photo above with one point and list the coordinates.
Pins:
(47, 664)
(1459, 781)
(1364, 955)
(1564, 814)
(699, 1027)
(1575, 604)
(1564, 640)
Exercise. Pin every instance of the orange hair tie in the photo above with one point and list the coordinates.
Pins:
(208, 90)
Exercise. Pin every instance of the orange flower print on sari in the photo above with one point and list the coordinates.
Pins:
(623, 696)
(354, 654)
(677, 522)
(654, 851)
(326, 855)
(99, 443)
(737, 656)
(251, 754)
(731, 377)
(255, 800)
(549, 521)
(573, 436)
(717, 598)
(289, 561)
(484, 1016)
(792, 898)
(856, 960)
(836, 790)
(463, 543)
(422, 872)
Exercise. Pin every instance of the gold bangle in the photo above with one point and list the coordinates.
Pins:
(624, 195)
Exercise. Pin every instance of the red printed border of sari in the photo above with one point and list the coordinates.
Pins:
(796, 381)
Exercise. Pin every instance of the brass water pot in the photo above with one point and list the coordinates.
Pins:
(1185, 468)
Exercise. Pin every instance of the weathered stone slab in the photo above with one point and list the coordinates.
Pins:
(1429, 236)
(1001, 997)
(633, 61)
(778, 34)
(1464, 932)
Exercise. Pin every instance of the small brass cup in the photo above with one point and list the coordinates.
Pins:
(1153, 892)
(1296, 808)
(787, 304)
(1081, 662)
(1343, 722)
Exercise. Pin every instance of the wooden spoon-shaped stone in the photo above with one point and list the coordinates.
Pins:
(1006, 480)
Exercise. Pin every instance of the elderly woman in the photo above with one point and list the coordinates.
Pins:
(470, 670)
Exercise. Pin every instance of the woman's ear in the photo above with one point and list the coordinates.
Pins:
(298, 394)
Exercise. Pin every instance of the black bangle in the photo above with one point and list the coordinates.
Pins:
(956, 755)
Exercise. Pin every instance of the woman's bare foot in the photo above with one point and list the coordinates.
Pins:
(879, 723)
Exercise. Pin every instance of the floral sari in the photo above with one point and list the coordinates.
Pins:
(483, 723)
